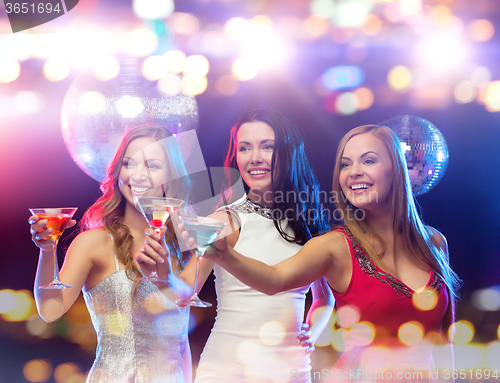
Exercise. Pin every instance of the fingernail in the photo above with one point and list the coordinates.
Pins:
(162, 260)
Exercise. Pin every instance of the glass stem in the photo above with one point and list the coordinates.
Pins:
(199, 254)
(56, 265)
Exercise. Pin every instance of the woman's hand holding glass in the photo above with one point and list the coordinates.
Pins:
(40, 232)
(304, 338)
(154, 255)
(217, 252)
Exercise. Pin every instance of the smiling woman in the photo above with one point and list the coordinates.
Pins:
(126, 313)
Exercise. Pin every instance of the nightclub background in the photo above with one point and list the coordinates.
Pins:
(330, 64)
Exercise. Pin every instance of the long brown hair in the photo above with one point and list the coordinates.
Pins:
(418, 240)
(108, 210)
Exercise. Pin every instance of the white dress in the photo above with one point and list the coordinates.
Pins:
(254, 335)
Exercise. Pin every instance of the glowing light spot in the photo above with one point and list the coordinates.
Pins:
(170, 85)
(184, 23)
(441, 52)
(424, 299)
(215, 42)
(227, 85)
(481, 30)
(322, 8)
(487, 299)
(272, 333)
(464, 332)
(492, 96)
(346, 103)
(352, 14)
(52, 309)
(196, 66)
(342, 77)
(194, 85)
(106, 68)
(153, 9)
(175, 60)
(441, 15)
(38, 327)
(7, 301)
(9, 69)
(469, 356)
(169, 324)
(65, 371)
(326, 337)
(372, 26)
(348, 315)
(338, 339)
(464, 92)
(56, 69)
(154, 303)
(154, 68)
(362, 333)
(410, 7)
(315, 26)
(37, 370)
(141, 42)
(129, 106)
(399, 78)
(92, 103)
(23, 308)
(28, 102)
(365, 98)
(117, 323)
(236, 28)
(245, 68)
(411, 333)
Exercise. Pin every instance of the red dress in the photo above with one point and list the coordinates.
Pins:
(389, 329)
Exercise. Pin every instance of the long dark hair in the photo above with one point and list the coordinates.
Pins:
(108, 210)
(299, 197)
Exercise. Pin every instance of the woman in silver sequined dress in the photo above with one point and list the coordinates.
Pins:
(142, 334)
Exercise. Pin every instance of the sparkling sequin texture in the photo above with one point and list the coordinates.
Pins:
(141, 338)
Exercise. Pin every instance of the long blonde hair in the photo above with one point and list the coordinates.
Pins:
(109, 209)
(418, 240)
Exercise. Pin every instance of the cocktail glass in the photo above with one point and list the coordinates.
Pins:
(157, 211)
(204, 231)
(57, 219)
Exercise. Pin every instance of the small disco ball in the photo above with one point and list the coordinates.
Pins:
(425, 150)
(96, 114)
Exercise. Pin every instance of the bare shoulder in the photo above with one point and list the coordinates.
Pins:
(333, 242)
(91, 242)
(438, 238)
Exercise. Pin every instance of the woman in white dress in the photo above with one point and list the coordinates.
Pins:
(254, 338)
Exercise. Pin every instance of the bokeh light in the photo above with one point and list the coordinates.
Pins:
(117, 323)
(141, 42)
(441, 52)
(362, 334)
(196, 66)
(184, 23)
(346, 103)
(365, 98)
(129, 106)
(465, 92)
(175, 60)
(399, 78)
(9, 69)
(154, 68)
(170, 85)
(348, 315)
(66, 371)
(481, 30)
(227, 85)
(342, 77)
(106, 68)
(38, 327)
(487, 299)
(92, 103)
(411, 333)
(245, 68)
(37, 370)
(153, 9)
(463, 332)
(56, 69)
(424, 299)
(492, 96)
(272, 333)
(16, 306)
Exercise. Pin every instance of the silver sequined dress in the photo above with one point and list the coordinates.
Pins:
(140, 337)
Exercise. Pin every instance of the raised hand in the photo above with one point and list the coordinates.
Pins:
(39, 232)
(154, 253)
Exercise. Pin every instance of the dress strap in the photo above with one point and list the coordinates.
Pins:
(117, 265)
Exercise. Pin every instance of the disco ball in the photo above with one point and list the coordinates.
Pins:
(96, 114)
(425, 150)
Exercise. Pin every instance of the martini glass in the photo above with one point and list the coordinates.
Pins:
(57, 219)
(157, 211)
(204, 231)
